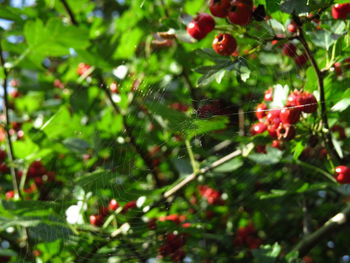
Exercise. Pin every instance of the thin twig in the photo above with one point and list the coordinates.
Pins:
(70, 12)
(7, 125)
(129, 132)
(204, 170)
(327, 135)
(333, 224)
(128, 129)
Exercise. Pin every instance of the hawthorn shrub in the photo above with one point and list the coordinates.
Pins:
(174, 131)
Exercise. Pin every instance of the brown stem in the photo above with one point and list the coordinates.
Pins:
(70, 12)
(129, 132)
(327, 136)
(333, 224)
(7, 125)
(204, 170)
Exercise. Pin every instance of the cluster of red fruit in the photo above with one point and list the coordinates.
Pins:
(82, 69)
(177, 219)
(213, 197)
(342, 174)
(98, 219)
(280, 122)
(341, 11)
(247, 236)
(16, 130)
(36, 173)
(172, 247)
(290, 50)
(239, 12)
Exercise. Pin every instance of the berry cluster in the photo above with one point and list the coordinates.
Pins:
(290, 50)
(342, 174)
(247, 236)
(172, 247)
(280, 122)
(113, 205)
(238, 12)
(213, 197)
(82, 69)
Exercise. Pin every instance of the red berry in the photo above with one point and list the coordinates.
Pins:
(4, 168)
(240, 13)
(337, 68)
(10, 195)
(103, 211)
(285, 132)
(82, 69)
(114, 87)
(3, 155)
(200, 26)
(342, 169)
(15, 94)
(224, 44)
(58, 84)
(277, 144)
(272, 130)
(268, 94)
(274, 42)
(96, 220)
(343, 178)
(261, 111)
(129, 205)
(307, 102)
(290, 115)
(260, 148)
(273, 116)
(340, 11)
(292, 98)
(346, 63)
(301, 60)
(113, 205)
(292, 27)
(340, 130)
(219, 8)
(258, 128)
(289, 50)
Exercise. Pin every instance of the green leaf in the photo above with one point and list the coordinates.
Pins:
(76, 145)
(10, 13)
(267, 253)
(230, 166)
(341, 105)
(199, 127)
(298, 149)
(295, 7)
(95, 180)
(175, 120)
(215, 72)
(271, 157)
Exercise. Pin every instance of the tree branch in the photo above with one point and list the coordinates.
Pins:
(327, 136)
(332, 225)
(70, 12)
(129, 132)
(204, 170)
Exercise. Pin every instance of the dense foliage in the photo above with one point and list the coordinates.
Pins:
(174, 131)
